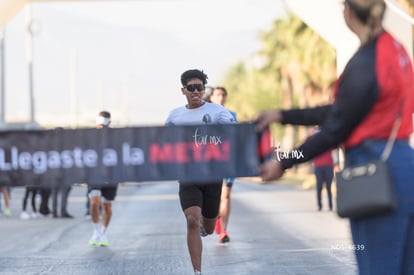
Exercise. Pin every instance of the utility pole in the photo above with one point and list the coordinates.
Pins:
(2, 77)
(74, 97)
(29, 55)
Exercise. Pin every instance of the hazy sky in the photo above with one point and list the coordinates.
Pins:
(126, 56)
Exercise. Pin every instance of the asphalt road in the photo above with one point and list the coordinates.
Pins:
(274, 229)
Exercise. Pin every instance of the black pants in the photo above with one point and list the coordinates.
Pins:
(30, 190)
(44, 203)
(64, 194)
(324, 175)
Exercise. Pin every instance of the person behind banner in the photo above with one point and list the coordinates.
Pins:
(59, 187)
(6, 196)
(45, 192)
(218, 95)
(30, 191)
(199, 200)
(64, 192)
(374, 99)
(101, 196)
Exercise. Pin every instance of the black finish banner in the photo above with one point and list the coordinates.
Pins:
(198, 153)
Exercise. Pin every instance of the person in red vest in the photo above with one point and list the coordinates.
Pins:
(324, 167)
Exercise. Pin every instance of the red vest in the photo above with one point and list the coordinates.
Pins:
(323, 160)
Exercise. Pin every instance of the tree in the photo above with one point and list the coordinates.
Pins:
(292, 57)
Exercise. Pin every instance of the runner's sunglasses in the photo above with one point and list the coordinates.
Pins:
(193, 87)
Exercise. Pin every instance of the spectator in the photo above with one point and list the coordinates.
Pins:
(30, 191)
(6, 197)
(324, 168)
(375, 89)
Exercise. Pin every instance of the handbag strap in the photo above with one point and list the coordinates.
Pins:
(391, 139)
(393, 135)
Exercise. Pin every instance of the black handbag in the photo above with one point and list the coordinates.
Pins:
(367, 190)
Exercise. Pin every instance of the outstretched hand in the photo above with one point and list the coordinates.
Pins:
(267, 117)
(271, 170)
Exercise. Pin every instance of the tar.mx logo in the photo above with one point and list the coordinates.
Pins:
(202, 139)
(293, 154)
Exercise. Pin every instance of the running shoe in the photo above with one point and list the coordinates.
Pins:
(217, 229)
(7, 212)
(24, 215)
(67, 216)
(224, 237)
(203, 232)
(38, 215)
(103, 241)
(95, 239)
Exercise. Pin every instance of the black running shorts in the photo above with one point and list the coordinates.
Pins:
(108, 192)
(204, 195)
